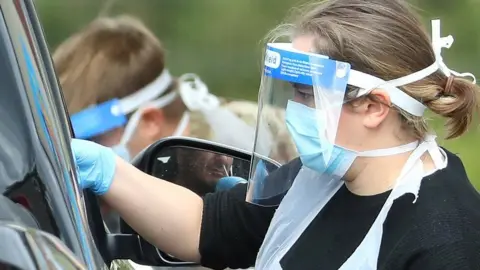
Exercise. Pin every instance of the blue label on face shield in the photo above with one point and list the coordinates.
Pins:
(304, 68)
(97, 120)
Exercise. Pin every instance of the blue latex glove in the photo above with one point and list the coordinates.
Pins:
(95, 165)
(228, 182)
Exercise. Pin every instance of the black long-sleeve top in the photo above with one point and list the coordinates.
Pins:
(440, 231)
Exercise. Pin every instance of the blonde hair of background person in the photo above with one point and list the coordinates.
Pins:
(436, 228)
(114, 58)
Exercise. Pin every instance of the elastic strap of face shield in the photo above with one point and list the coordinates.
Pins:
(368, 82)
(150, 92)
(101, 118)
(194, 94)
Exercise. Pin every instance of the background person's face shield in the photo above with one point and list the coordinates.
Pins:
(311, 89)
(101, 118)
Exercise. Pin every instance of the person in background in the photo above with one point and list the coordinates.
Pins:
(120, 93)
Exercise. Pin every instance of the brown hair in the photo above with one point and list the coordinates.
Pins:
(110, 58)
(386, 39)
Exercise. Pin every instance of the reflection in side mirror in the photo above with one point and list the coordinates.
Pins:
(199, 170)
(198, 165)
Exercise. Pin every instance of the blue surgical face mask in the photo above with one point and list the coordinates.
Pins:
(305, 129)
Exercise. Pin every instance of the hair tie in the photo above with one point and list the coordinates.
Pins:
(448, 85)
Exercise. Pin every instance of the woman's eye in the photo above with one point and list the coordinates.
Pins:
(303, 93)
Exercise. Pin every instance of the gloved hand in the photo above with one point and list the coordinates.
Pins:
(228, 182)
(95, 165)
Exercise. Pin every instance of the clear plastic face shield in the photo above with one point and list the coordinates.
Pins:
(312, 88)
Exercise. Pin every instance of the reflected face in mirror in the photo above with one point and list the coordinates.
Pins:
(200, 170)
(196, 169)
(207, 166)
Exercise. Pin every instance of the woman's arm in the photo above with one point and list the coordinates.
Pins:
(222, 230)
(165, 214)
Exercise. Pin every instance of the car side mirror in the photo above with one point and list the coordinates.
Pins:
(28, 248)
(192, 163)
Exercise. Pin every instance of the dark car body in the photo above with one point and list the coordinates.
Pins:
(46, 220)
(37, 170)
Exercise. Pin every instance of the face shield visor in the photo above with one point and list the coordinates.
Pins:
(312, 89)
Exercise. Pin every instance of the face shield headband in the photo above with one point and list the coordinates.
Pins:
(312, 88)
(101, 118)
(367, 82)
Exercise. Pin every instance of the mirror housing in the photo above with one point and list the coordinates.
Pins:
(28, 248)
(145, 160)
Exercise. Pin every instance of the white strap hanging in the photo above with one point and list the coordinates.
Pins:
(438, 43)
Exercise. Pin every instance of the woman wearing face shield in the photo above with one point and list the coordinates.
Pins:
(370, 189)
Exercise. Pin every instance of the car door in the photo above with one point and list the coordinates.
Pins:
(26, 248)
(36, 165)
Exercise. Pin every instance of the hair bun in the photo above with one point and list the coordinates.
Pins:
(458, 102)
(448, 86)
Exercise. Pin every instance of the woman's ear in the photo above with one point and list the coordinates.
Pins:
(376, 108)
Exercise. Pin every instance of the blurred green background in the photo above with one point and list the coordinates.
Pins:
(221, 41)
